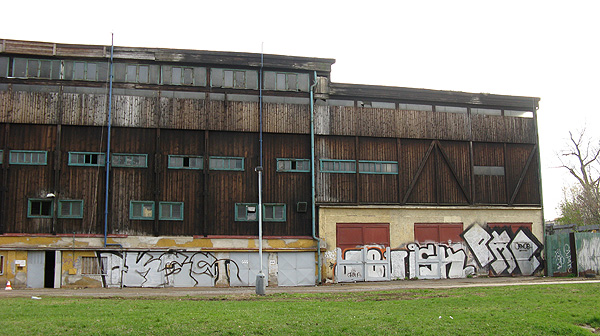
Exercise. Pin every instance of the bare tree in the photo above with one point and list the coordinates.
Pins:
(581, 158)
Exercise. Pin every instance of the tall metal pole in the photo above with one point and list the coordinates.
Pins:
(107, 159)
(260, 278)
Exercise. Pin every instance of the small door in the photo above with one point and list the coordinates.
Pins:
(244, 267)
(36, 261)
(296, 269)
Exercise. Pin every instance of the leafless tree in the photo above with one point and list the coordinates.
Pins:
(581, 158)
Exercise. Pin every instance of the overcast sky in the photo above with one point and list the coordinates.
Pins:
(546, 49)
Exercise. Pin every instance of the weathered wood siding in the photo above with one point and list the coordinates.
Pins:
(80, 182)
(378, 188)
(287, 187)
(29, 181)
(489, 189)
(335, 187)
(516, 158)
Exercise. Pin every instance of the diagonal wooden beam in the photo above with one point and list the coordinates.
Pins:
(522, 176)
(419, 171)
(453, 171)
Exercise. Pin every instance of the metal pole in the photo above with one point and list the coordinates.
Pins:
(260, 277)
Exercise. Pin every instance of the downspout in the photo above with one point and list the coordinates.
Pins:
(312, 176)
(110, 90)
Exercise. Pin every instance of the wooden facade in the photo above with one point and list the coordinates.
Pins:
(442, 158)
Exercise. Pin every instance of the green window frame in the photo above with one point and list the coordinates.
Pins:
(488, 170)
(70, 209)
(338, 166)
(28, 157)
(39, 208)
(234, 78)
(293, 165)
(93, 159)
(377, 167)
(286, 81)
(170, 211)
(226, 163)
(186, 162)
(36, 68)
(274, 212)
(1, 156)
(246, 212)
(141, 210)
(129, 160)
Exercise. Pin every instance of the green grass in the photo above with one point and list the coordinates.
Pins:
(519, 310)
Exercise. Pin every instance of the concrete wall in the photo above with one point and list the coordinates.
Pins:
(476, 259)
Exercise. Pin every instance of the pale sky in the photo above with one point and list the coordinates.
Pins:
(546, 49)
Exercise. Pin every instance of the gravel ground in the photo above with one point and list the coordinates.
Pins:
(329, 288)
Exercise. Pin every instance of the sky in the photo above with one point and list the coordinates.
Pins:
(547, 49)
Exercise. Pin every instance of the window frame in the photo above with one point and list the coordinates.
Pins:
(323, 170)
(98, 266)
(239, 219)
(201, 157)
(1, 156)
(60, 207)
(378, 162)
(71, 154)
(292, 170)
(29, 207)
(170, 217)
(112, 161)
(18, 151)
(210, 158)
(264, 208)
(131, 215)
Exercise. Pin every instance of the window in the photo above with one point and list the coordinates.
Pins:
(286, 81)
(274, 212)
(236, 79)
(25, 157)
(141, 210)
(1, 265)
(36, 68)
(172, 75)
(4, 66)
(451, 109)
(378, 167)
(170, 210)
(520, 114)
(39, 208)
(1, 156)
(130, 160)
(485, 111)
(293, 165)
(488, 170)
(338, 166)
(86, 159)
(136, 73)
(70, 209)
(226, 163)
(186, 162)
(90, 265)
(87, 71)
(246, 212)
(415, 107)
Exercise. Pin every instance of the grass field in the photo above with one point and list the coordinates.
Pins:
(516, 310)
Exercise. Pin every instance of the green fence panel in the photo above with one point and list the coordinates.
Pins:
(558, 249)
(587, 245)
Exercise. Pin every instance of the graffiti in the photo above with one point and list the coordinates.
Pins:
(165, 269)
(562, 259)
(497, 248)
(588, 253)
(503, 251)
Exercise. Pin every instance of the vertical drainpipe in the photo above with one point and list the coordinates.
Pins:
(107, 159)
(312, 176)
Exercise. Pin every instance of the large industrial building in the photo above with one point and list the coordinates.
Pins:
(149, 177)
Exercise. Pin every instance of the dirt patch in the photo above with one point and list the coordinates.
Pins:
(590, 328)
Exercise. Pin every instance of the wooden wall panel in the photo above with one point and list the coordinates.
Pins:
(489, 189)
(503, 129)
(229, 187)
(82, 183)
(450, 126)
(450, 186)
(84, 109)
(376, 122)
(135, 111)
(182, 185)
(6, 103)
(34, 107)
(336, 120)
(27, 181)
(412, 154)
(335, 187)
(131, 184)
(215, 115)
(183, 113)
(378, 188)
(286, 118)
(516, 158)
(287, 187)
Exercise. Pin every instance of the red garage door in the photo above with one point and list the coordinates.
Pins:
(353, 235)
(438, 232)
(513, 227)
